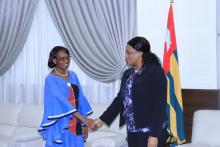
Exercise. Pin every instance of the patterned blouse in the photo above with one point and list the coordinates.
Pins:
(128, 111)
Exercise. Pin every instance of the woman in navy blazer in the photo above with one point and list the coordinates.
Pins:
(141, 101)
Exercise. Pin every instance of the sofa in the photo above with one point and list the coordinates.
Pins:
(205, 129)
(19, 124)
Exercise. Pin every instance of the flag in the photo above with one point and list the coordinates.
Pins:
(174, 95)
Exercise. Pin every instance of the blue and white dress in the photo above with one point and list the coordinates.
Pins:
(58, 112)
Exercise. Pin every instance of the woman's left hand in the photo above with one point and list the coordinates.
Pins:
(152, 141)
(85, 132)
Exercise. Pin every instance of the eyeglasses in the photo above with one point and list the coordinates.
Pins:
(63, 58)
(131, 53)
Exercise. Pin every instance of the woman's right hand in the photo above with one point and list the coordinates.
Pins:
(97, 124)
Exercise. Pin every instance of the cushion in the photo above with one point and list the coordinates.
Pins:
(194, 145)
(10, 113)
(111, 141)
(6, 130)
(94, 135)
(30, 115)
(4, 141)
(23, 130)
(206, 127)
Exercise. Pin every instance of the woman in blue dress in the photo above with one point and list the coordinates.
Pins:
(66, 109)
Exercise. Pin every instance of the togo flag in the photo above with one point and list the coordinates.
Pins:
(174, 95)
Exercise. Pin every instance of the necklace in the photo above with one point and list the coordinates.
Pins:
(62, 75)
(138, 70)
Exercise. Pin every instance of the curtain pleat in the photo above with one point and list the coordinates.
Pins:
(96, 32)
(23, 82)
(15, 21)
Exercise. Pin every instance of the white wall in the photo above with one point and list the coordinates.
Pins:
(218, 40)
(195, 23)
(218, 47)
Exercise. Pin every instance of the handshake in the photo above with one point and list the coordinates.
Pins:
(93, 124)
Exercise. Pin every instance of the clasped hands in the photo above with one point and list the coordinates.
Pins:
(93, 124)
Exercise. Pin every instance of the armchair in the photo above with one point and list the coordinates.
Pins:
(205, 129)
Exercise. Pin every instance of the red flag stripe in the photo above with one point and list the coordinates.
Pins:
(170, 43)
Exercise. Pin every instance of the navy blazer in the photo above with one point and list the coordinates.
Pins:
(149, 94)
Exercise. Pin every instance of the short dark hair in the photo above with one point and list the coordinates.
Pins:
(141, 44)
(53, 54)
